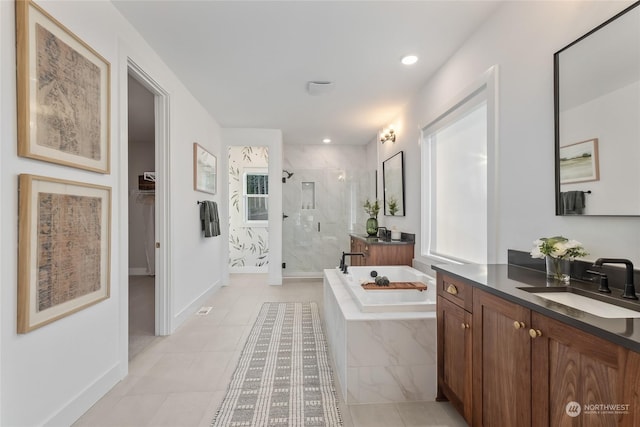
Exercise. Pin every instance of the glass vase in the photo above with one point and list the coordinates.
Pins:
(372, 226)
(558, 269)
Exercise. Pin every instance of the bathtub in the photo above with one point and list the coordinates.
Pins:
(384, 300)
(383, 351)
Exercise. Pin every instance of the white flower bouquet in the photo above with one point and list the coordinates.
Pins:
(557, 247)
(557, 251)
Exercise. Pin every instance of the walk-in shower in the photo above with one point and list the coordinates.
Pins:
(322, 206)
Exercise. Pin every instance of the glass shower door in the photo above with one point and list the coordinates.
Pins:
(323, 208)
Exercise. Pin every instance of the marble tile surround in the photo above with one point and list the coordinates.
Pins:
(341, 182)
(379, 357)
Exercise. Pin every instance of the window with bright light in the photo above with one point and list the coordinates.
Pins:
(256, 196)
(455, 182)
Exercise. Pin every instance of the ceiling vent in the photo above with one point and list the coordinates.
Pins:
(319, 87)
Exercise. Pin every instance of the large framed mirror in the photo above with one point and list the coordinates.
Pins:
(393, 184)
(597, 120)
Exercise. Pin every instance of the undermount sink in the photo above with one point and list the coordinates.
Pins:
(574, 298)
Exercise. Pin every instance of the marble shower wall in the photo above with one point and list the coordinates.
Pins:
(323, 201)
(248, 246)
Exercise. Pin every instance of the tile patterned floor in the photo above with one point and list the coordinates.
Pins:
(180, 380)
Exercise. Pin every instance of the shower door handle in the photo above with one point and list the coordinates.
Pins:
(284, 216)
(318, 227)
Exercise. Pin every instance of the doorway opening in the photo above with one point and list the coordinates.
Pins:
(142, 206)
(147, 202)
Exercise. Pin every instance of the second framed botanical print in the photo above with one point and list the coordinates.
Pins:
(204, 170)
(63, 93)
(63, 248)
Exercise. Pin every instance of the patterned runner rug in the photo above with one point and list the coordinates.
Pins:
(283, 377)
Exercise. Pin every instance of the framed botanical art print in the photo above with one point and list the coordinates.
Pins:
(204, 170)
(63, 94)
(64, 230)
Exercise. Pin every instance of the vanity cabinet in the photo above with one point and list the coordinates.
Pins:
(570, 365)
(502, 364)
(454, 324)
(381, 253)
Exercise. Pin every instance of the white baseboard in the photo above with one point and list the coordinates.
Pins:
(249, 269)
(80, 404)
(302, 275)
(301, 280)
(138, 271)
(195, 305)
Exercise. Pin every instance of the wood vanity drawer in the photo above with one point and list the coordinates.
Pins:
(455, 291)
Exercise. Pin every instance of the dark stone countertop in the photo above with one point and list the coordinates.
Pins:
(373, 240)
(504, 281)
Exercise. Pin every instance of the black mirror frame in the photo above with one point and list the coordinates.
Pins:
(384, 189)
(556, 105)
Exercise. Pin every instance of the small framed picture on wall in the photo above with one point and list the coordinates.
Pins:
(204, 170)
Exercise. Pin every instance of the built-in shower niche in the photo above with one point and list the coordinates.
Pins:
(308, 199)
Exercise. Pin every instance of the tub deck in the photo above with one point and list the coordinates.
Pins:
(376, 301)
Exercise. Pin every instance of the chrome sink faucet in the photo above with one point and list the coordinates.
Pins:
(629, 288)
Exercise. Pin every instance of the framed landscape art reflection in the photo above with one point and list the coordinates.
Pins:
(63, 248)
(579, 162)
(63, 93)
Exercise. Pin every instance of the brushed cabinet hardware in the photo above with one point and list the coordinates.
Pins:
(518, 325)
(465, 326)
(535, 333)
(452, 289)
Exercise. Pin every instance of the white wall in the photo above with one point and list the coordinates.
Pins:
(272, 139)
(55, 373)
(521, 38)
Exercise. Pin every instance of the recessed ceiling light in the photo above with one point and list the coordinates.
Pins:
(409, 60)
(326, 140)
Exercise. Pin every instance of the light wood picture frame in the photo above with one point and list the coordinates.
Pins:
(579, 162)
(63, 94)
(64, 248)
(204, 170)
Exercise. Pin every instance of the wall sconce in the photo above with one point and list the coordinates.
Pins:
(388, 135)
